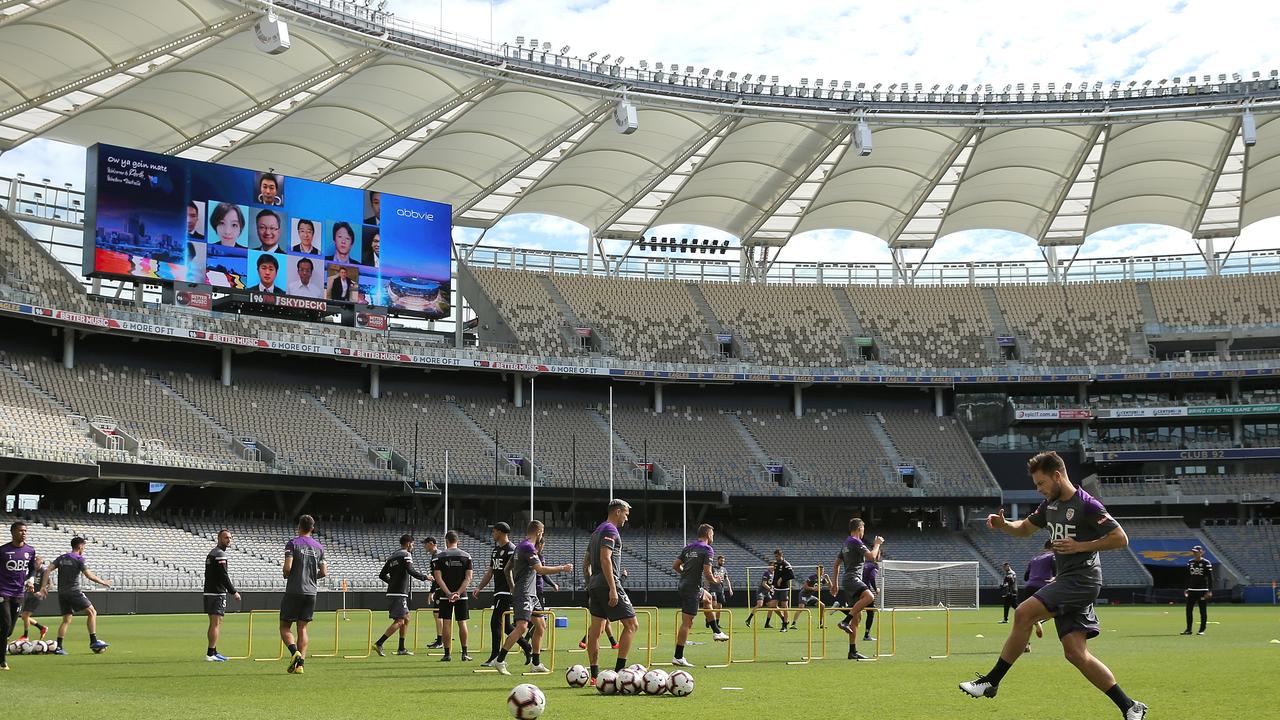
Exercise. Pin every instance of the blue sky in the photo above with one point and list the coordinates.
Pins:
(992, 42)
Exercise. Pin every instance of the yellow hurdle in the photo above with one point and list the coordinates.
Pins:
(728, 655)
(280, 655)
(551, 637)
(808, 625)
(337, 625)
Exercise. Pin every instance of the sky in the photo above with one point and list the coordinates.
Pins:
(989, 42)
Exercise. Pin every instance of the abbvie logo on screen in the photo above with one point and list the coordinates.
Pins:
(415, 215)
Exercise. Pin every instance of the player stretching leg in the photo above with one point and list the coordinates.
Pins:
(15, 580)
(451, 570)
(217, 583)
(521, 578)
(606, 600)
(1080, 528)
(396, 573)
(71, 599)
(303, 565)
(694, 566)
(848, 588)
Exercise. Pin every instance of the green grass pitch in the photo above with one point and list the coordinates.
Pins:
(155, 669)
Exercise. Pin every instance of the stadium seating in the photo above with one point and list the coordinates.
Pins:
(652, 321)
(1075, 324)
(926, 327)
(833, 451)
(31, 270)
(783, 325)
(700, 440)
(1226, 300)
(526, 307)
(1253, 549)
(942, 450)
(35, 427)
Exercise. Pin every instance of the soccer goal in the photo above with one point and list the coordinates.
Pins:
(914, 586)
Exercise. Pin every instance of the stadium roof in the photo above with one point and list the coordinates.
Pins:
(366, 100)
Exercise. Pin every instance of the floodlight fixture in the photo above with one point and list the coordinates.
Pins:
(519, 41)
(1235, 77)
(605, 60)
(1256, 75)
(688, 69)
(592, 55)
(620, 60)
(564, 50)
(773, 79)
(1222, 77)
(746, 78)
(644, 64)
(533, 44)
(546, 47)
(804, 82)
(658, 66)
(718, 74)
(733, 76)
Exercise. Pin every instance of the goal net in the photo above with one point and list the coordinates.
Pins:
(925, 585)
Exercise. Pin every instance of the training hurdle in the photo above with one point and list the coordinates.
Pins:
(550, 647)
(728, 645)
(248, 653)
(755, 639)
(893, 629)
(337, 625)
(417, 623)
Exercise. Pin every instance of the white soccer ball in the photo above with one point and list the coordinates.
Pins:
(50, 645)
(655, 682)
(680, 683)
(26, 648)
(15, 648)
(638, 669)
(526, 702)
(607, 682)
(577, 676)
(628, 682)
(37, 647)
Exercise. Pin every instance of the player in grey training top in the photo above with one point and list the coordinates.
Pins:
(606, 600)
(848, 587)
(522, 576)
(71, 599)
(304, 566)
(694, 565)
(1080, 527)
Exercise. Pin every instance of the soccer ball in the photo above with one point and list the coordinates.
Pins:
(37, 647)
(638, 669)
(26, 648)
(607, 682)
(15, 648)
(655, 682)
(526, 702)
(49, 645)
(577, 676)
(628, 682)
(680, 684)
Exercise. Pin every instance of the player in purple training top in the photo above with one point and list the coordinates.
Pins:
(607, 601)
(1040, 572)
(694, 566)
(522, 574)
(304, 565)
(15, 577)
(1080, 527)
(848, 586)
(71, 598)
(870, 578)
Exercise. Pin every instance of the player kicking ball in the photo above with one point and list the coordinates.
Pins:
(1080, 527)
(71, 598)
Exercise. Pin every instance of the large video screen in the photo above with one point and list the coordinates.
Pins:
(161, 218)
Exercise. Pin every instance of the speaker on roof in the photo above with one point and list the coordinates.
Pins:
(625, 119)
(271, 34)
(862, 138)
(1249, 129)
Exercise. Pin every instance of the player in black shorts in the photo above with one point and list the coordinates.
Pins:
(396, 573)
(764, 596)
(606, 600)
(783, 577)
(430, 549)
(452, 573)
(1199, 587)
(1081, 528)
(504, 552)
(1008, 590)
(848, 587)
(32, 597)
(217, 585)
(71, 598)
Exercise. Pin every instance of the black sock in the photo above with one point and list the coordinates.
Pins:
(382, 640)
(621, 663)
(679, 652)
(401, 643)
(524, 645)
(502, 656)
(464, 650)
(59, 643)
(293, 649)
(211, 652)
(998, 672)
(1118, 697)
(40, 627)
(853, 649)
(595, 670)
(612, 641)
(93, 638)
(537, 658)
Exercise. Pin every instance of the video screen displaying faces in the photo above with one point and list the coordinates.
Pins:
(166, 218)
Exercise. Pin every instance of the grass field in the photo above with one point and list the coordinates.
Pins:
(155, 669)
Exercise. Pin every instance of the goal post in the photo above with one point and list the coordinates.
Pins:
(922, 585)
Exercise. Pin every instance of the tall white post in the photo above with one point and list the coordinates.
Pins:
(533, 469)
(684, 502)
(446, 491)
(611, 442)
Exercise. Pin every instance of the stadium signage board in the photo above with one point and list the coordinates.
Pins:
(162, 220)
(1053, 414)
(1156, 455)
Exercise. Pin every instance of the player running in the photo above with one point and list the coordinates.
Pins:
(870, 578)
(15, 577)
(304, 565)
(521, 574)
(1081, 528)
(539, 594)
(849, 589)
(1040, 571)
(396, 573)
(217, 584)
(71, 598)
(694, 565)
(1199, 588)
(1008, 591)
(499, 627)
(764, 596)
(606, 600)
(452, 573)
(783, 577)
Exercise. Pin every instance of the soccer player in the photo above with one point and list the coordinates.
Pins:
(1199, 587)
(606, 600)
(1081, 528)
(1008, 591)
(503, 553)
(217, 584)
(71, 599)
(37, 589)
(783, 577)
(870, 578)
(521, 574)
(431, 549)
(451, 570)
(721, 585)
(849, 589)
(539, 593)
(1040, 572)
(304, 565)
(764, 596)
(694, 566)
(15, 577)
(396, 572)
